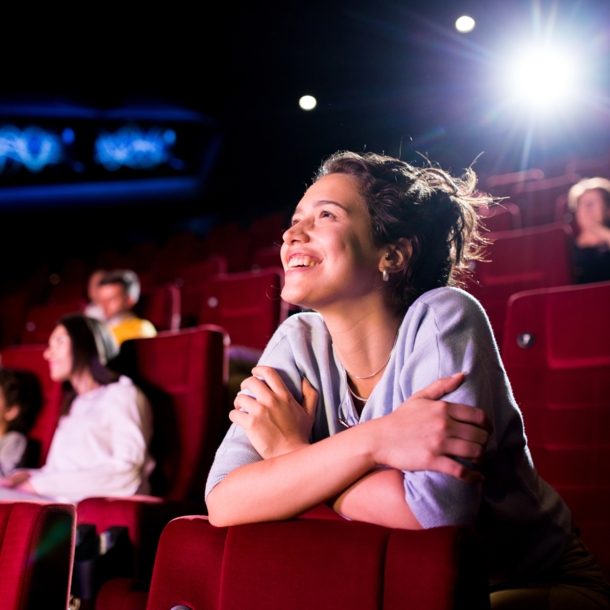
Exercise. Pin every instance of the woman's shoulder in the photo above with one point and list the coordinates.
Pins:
(448, 298)
(300, 333)
(299, 325)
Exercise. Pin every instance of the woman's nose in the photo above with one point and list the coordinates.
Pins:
(295, 233)
(47, 354)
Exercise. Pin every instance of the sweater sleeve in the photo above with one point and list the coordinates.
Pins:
(117, 460)
(12, 449)
(453, 336)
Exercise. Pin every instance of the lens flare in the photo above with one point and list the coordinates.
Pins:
(465, 24)
(308, 102)
(544, 77)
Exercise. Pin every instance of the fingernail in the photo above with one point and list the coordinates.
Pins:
(457, 375)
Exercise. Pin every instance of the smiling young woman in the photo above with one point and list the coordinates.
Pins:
(368, 402)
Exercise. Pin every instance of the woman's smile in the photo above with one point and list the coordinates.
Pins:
(328, 253)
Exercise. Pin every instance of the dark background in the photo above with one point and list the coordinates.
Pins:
(389, 76)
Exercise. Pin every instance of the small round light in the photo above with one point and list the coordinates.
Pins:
(464, 24)
(308, 102)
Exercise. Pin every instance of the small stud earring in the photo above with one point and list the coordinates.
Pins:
(387, 256)
(385, 275)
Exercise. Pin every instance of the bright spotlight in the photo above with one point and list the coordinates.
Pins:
(308, 102)
(544, 77)
(465, 24)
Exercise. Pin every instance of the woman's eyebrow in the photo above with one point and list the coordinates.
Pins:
(318, 203)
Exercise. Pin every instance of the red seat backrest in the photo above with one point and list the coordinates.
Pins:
(29, 358)
(536, 199)
(520, 260)
(161, 306)
(503, 217)
(313, 563)
(267, 231)
(247, 304)
(193, 279)
(41, 319)
(263, 258)
(36, 553)
(557, 356)
(12, 312)
(184, 374)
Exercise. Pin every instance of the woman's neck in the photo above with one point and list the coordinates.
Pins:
(363, 339)
(83, 382)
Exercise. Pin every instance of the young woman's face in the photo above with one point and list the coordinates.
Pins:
(328, 253)
(591, 209)
(59, 354)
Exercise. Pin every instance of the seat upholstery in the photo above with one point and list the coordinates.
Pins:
(557, 356)
(41, 319)
(36, 552)
(316, 563)
(520, 260)
(184, 374)
(161, 306)
(248, 305)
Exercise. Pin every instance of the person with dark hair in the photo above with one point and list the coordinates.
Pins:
(117, 294)
(20, 402)
(367, 403)
(589, 200)
(100, 446)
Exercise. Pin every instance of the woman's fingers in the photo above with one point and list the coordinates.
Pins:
(271, 378)
(448, 466)
(440, 387)
(310, 398)
(470, 415)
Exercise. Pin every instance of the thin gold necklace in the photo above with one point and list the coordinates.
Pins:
(381, 369)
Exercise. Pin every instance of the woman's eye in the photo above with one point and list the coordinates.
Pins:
(325, 214)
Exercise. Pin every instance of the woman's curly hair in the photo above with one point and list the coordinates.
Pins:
(433, 210)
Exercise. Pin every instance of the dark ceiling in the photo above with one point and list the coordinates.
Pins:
(385, 73)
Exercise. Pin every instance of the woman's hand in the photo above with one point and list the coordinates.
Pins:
(274, 421)
(17, 479)
(425, 432)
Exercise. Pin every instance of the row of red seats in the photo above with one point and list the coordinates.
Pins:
(199, 567)
(247, 304)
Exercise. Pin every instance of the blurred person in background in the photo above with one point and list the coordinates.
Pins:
(118, 294)
(100, 446)
(93, 309)
(20, 402)
(589, 200)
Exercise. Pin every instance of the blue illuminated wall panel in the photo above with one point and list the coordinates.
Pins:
(70, 154)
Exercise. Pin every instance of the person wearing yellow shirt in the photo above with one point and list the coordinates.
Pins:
(118, 293)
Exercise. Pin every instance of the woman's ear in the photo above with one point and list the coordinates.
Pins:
(12, 412)
(396, 255)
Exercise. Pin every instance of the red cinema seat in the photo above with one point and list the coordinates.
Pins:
(502, 185)
(503, 217)
(267, 231)
(536, 199)
(262, 258)
(161, 306)
(29, 358)
(231, 242)
(12, 312)
(247, 304)
(557, 356)
(184, 375)
(36, 553)
(41, 319)
(520, 260)
(193, 280)
(316, 563)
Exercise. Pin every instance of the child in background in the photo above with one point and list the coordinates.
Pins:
(20, 402)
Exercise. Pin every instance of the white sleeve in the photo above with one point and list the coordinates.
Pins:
(12, 448)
